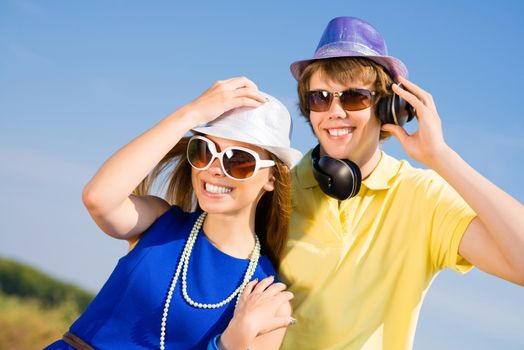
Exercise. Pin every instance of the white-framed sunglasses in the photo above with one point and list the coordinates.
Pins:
(238, 163)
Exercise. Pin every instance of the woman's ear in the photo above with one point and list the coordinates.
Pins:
(270, 184)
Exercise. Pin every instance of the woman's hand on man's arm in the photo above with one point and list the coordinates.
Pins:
(261, 317)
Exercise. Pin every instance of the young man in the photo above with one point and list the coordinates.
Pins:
(360, 267)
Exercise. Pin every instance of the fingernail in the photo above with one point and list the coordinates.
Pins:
(292, 321)
(255, 280)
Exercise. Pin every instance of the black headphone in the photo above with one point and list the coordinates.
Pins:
(393, 109)
(341, 178)
(338, 178)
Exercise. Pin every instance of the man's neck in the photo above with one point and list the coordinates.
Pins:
(368, 164)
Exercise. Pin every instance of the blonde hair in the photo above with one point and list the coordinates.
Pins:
(273, 209)
(344, 70)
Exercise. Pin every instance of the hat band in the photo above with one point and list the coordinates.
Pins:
(336, 48)
(250, 132)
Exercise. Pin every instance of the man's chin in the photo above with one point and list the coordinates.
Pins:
(336, 153)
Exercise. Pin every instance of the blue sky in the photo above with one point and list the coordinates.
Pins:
(80, 79)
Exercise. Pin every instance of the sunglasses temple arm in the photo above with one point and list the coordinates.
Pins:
(266, 163)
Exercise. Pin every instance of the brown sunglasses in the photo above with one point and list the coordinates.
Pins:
(350, 99)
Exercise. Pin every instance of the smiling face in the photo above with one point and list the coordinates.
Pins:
(219, 194)
(344, 134)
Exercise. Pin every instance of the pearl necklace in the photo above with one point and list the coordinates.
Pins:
(183, 266)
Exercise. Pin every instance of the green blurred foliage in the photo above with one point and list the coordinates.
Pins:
(35, 309)
(26, 282)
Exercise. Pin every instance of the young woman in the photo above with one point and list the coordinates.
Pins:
(200, 273)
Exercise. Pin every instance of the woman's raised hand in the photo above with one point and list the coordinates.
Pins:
(223, 96)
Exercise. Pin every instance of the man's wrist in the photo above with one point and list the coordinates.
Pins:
(443, 159)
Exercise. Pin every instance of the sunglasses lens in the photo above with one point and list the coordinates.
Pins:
(198, 153)
(354, 100)
(239, 164)
(319, 101)
(351, 100)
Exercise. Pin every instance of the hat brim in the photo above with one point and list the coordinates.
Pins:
(288, 155)
(394, 66)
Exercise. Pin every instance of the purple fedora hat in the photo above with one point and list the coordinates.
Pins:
(352, 37)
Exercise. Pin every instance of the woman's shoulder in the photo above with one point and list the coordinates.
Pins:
(174, 221)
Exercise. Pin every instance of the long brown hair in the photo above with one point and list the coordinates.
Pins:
(273, 209)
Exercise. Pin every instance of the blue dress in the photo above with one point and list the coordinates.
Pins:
(127, 312)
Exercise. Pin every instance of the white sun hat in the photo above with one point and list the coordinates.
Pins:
(268, 126)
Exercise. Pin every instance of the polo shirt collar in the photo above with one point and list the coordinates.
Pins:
(385, 170)
(379, 178)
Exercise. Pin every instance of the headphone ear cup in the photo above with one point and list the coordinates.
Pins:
(352, 179)
(403, 112)
(383, 109)
(337, 178)
(393, 109)
(324, 180)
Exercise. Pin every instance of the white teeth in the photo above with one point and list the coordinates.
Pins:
(339, 132)
(217, 189)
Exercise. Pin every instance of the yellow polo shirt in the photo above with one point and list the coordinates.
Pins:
(360, 268)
